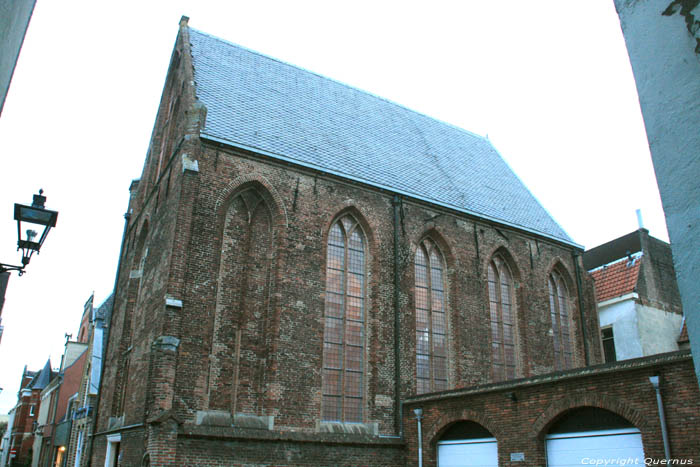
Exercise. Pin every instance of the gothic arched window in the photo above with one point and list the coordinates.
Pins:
(502, 308)
(559, 312)
(431, 322)
(344, 318)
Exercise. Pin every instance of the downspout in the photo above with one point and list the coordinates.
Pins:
(664, 431)
(576, 257)
(398, 407)
(419, 417)
(127, 216)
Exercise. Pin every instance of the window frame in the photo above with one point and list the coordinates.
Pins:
(558, 343)
(500, 371)
(427, 246)
(611, 339)
(347, 231)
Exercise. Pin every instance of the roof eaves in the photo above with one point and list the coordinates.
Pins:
(387, 188)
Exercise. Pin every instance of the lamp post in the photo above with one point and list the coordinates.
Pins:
(33, 225)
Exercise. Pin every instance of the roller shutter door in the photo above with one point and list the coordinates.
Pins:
(468, 452)
(568, 449)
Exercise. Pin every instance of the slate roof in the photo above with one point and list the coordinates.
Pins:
(616, 279)
(44, 377)
(104, 311)
(270, 107)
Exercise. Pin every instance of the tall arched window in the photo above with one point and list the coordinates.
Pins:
(431, 323)
(343, 336)
(502, 307)
(559, 312)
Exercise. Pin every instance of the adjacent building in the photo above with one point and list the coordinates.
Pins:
(51, 424)
(58, 404)
(639, 305)
(93, 330)
(24, 415)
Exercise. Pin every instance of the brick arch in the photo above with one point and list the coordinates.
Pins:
(267, 255)
(438, 428)
(507, 256)
(354, 211)
(442, 244)
(264, 188)
(554, 411)
(372, 253)
(558, 265)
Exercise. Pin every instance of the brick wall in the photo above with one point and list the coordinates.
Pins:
(657, 285)
(248, 335)
(230, 447)
(520, 426)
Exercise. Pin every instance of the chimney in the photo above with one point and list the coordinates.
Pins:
(639, 219)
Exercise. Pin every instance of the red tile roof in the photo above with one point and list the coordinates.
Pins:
(616, 279)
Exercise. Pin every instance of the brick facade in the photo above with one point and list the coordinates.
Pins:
(520, 425)
(25, 414)
(181, 352)
(215, 351)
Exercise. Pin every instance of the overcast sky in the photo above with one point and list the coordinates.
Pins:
(549, 82)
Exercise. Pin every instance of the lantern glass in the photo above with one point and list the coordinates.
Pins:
(33, 225)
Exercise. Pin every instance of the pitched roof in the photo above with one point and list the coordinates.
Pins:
(270, 107)
(104, 311)
(616, 279)
(44, 377)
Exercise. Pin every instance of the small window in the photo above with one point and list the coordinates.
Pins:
(608, 344)
(31, 410)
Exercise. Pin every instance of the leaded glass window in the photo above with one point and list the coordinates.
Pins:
(431, 320)
(344, 320)
(561, 328)
(503, 329)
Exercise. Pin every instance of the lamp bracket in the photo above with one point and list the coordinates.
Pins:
(9, 267)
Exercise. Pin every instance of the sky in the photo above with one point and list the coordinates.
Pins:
(547, 81)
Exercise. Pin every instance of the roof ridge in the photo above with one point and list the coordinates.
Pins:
(346, 85)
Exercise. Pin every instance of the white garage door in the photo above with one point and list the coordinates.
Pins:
(468, 452)
(568, 449)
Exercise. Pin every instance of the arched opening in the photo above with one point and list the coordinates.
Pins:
(503, 319)
(344, 323)
(466, 444)
(592, 433)
(431, 319)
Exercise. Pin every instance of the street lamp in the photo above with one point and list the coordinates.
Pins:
(33, 225)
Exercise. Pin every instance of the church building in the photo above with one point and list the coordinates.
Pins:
(304, 264)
